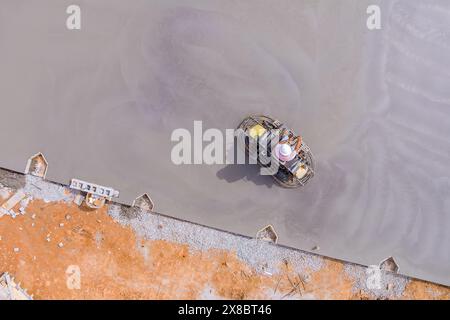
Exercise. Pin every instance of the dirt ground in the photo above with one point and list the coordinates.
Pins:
(39, 247)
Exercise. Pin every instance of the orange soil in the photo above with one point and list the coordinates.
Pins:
(115, 264)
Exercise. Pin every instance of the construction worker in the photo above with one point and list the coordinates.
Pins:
(285, 151)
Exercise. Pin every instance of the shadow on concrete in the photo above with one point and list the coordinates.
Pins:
(236, 172)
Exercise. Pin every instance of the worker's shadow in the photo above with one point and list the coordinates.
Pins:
(250, 172)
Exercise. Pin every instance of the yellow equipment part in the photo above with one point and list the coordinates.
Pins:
(94, 201)
(302, 170)
(256, 131)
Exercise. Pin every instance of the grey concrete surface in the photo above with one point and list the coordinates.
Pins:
(101, 104)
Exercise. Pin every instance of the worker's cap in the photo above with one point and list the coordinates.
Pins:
(285, 150)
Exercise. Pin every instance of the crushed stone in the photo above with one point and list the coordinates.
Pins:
(48, 192)
(263, 256)
(5, 192)
(391, 285)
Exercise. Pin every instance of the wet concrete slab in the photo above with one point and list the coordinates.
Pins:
(102, 102)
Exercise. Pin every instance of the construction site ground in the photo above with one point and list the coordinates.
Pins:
(123, 252)
(107, 103)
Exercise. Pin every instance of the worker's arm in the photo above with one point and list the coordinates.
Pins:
(298, 144)
(285, 133)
